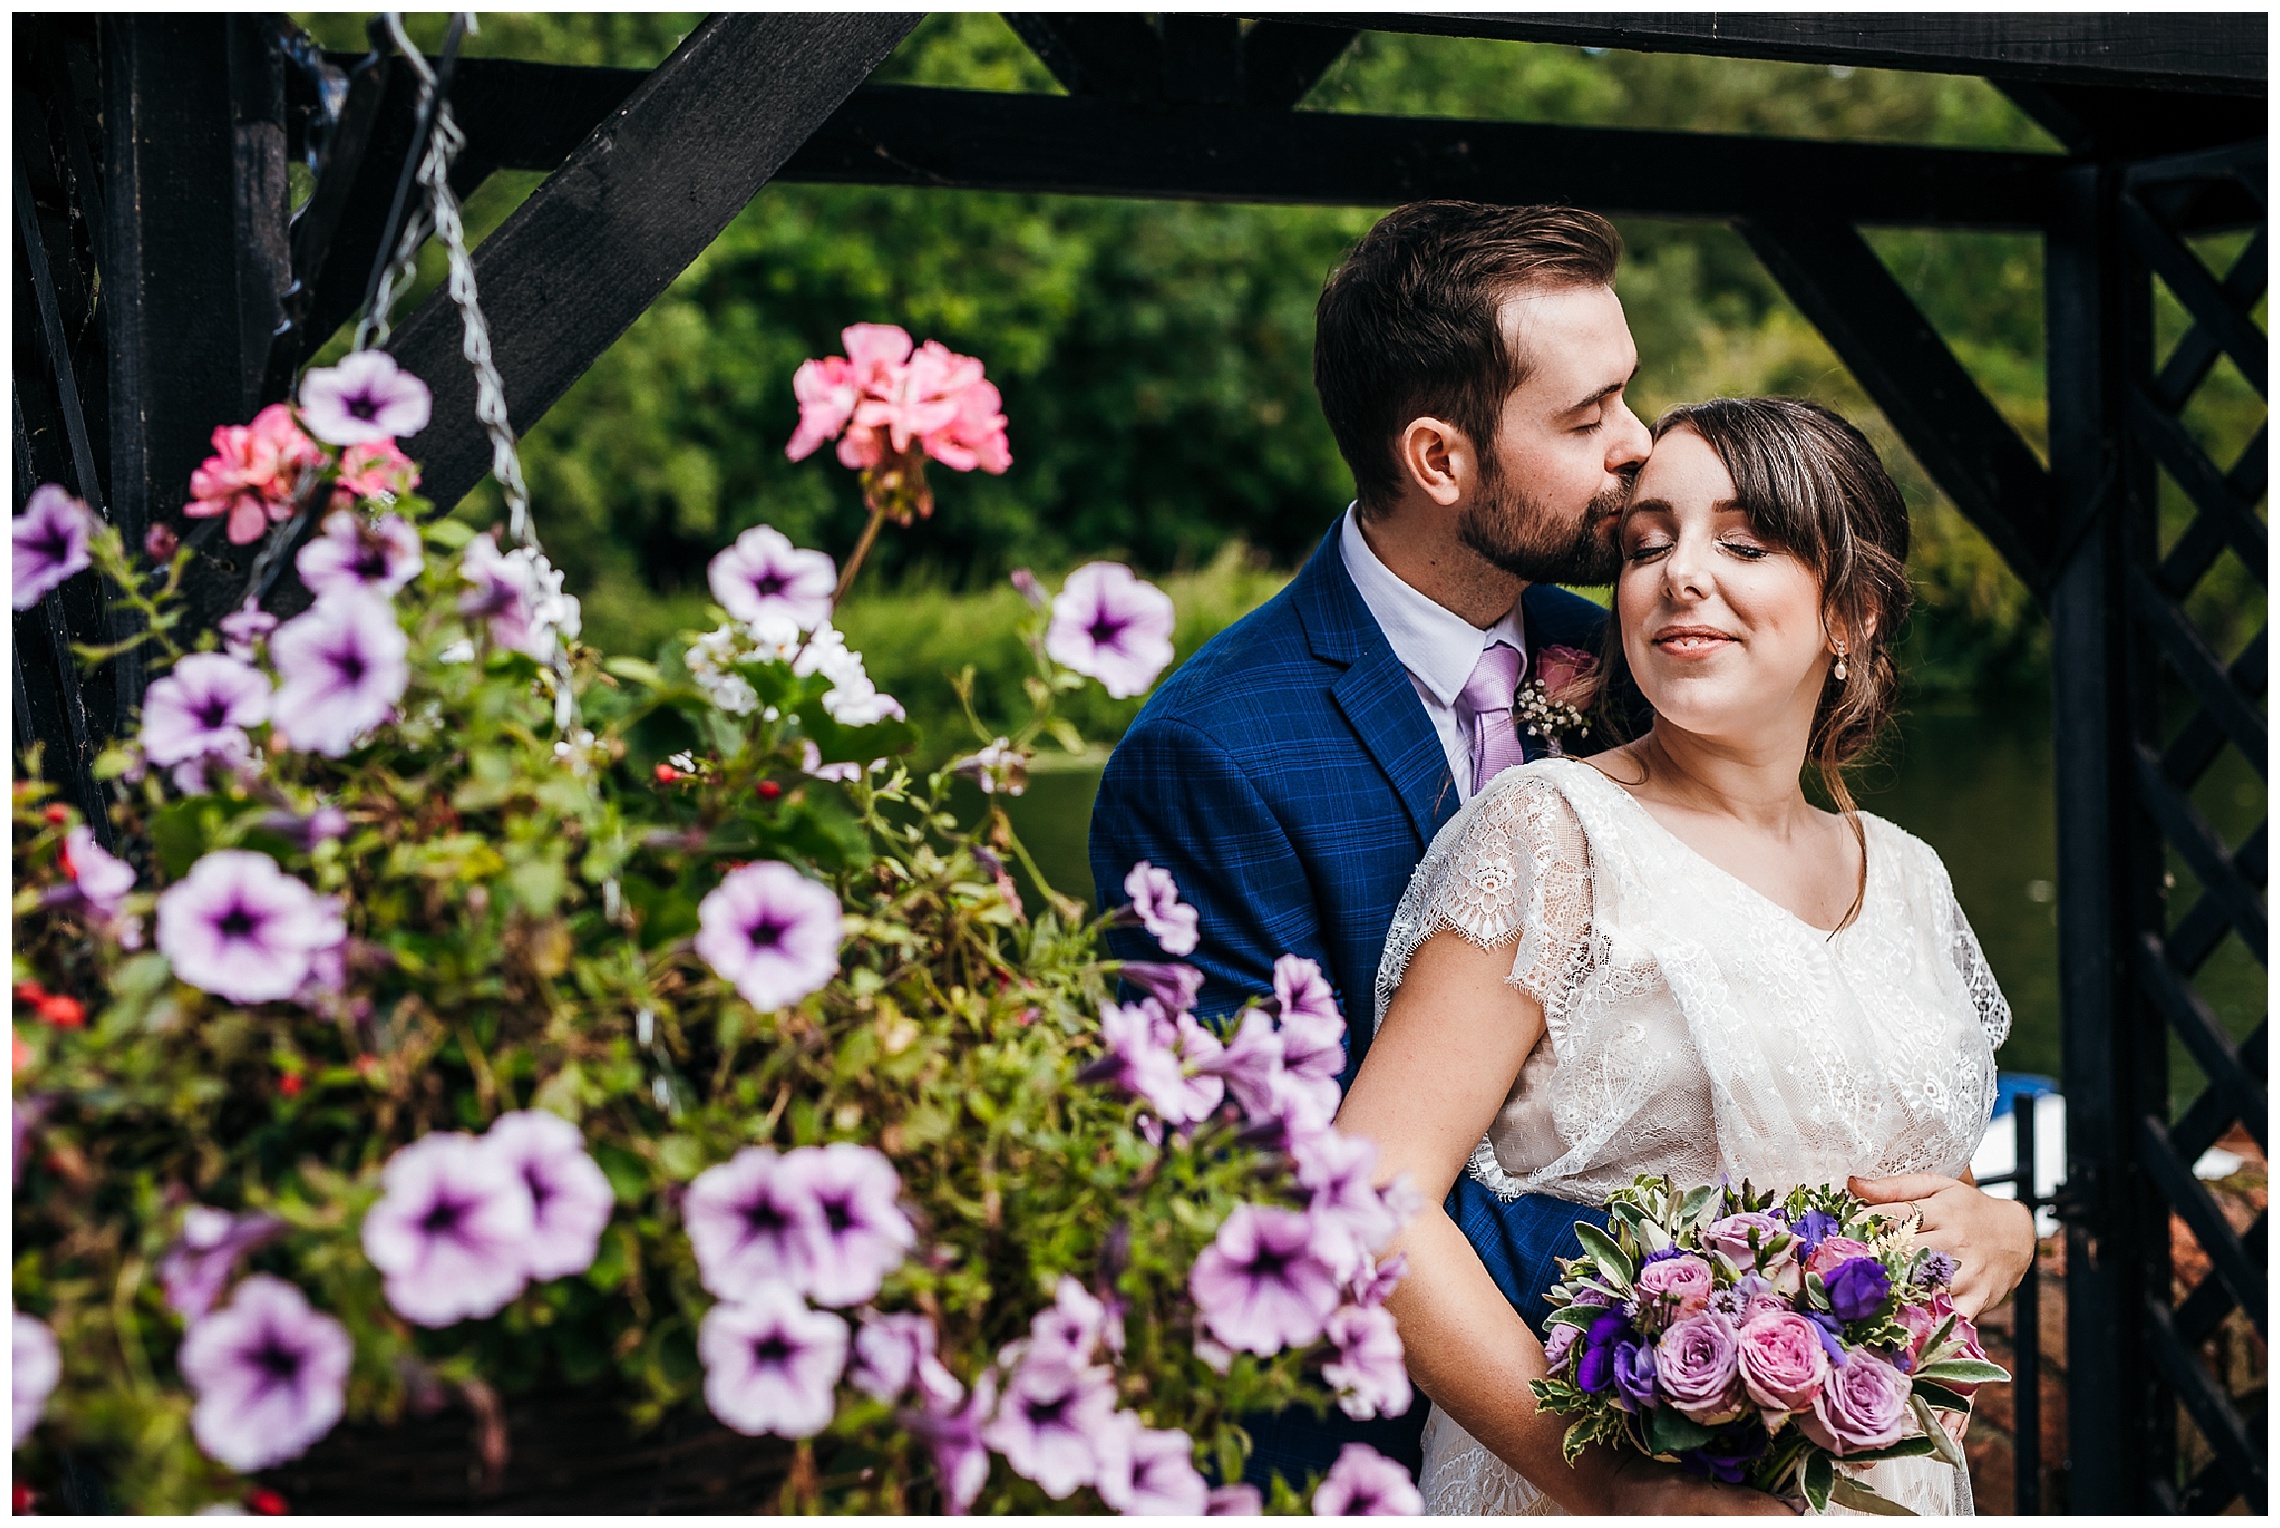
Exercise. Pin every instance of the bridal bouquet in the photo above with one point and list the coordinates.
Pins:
(1761, 1340)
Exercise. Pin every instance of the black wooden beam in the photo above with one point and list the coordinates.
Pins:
(1096, 54)
(597, 243)
(2117, 122)
(1967, 446)
(2220, 53)
(1282, 61)
(986, 140)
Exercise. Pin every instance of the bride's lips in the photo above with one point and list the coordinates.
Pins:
(1691, 641)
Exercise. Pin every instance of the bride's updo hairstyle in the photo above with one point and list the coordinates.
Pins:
(1812, 485)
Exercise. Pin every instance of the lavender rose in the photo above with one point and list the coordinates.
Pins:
(1699, 1364)
(1752, 1240)
(1560, 1345)
(1782, 1361)
(1863, 1405)
(1857, 1288)
(1834, 1250)
(1674, 1286)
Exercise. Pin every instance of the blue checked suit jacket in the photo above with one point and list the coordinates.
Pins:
(1289, 779)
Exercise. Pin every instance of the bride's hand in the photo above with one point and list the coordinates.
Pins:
(1992, 1240)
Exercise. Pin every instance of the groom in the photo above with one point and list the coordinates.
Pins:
(1471, 361)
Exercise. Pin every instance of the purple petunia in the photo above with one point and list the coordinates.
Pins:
(100, 880)
(1048, 1423)
(343, 666)
(50, 543)
(204, 1256)
(203, 707)
(1068, 1330)
(242, 929)
(1156, 903)
(1351, 1218)
(270, 1375)
(367, 397)
(761, 576)
(569, 1197)
(858, 1234)
(379, 557)
(1368, 1374)
(953, 1434)
(1173, 984)
(1250, 1061)
(1262, 1285)
(771, 933)
(771, 1364)
(452, 1230)
(895, 1353)
(822, 1220)
(1140, 1057)
(34, 1365)
(518, 596)
(1364, 1483)
(245, 629)
(1237, 1500)
(1112, 626)
(1149, 1472)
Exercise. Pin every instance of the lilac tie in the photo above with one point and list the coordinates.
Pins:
(1484, 709)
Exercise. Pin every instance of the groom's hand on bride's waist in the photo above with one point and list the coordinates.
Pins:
(1992, 1240)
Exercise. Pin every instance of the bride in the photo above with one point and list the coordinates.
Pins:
(1665, 959)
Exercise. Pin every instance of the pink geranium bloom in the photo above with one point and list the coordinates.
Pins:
(365, 399)
(270, 1375)
(343, 663)
(1364, 1483)
(1368, 1374)
(771, 1364)
(378, 557)
(570, 1199)
(34, 1365)
(1049, 1422)
(1111, 625)
(202, 1259)
(100, 879)
(771, 933)
(1147, 1472)
(452, 1230)
(242, 929)
(377, 470)
(203, 707)
(1262, 1285)
(255, 474)
(50, 543)
(975, 435)
(761, 576)
(1156, 903)
(827, 390)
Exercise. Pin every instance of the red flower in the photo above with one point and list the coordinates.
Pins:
(57, 813)
(30, 994)
(63, 1012)
(769, 790)
(289, 1085)
(24, 1497)
(264, 1502)
(667, 774)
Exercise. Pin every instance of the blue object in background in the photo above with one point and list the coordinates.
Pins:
(2013, 1086)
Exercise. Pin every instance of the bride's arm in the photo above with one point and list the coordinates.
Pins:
(1452, 1043)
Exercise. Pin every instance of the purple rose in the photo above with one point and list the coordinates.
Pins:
(1857, 1288)
(1782, 1360)
(1699, 1362)
(1863, 1405)
(1674, 1286)
(1751, 1241)
(1634, 1366)
(1560, 1345)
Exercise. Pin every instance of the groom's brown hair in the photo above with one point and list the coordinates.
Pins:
(1407, 324)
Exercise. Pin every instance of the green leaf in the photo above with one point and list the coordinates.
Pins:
(1820, 1475)
(633, 670)
(1847, 1492)
(1906, 1448)
(1575, 1315)
(1936, 1434)
(1965, 1371)
(1610, 1257)
(1941, 1395)
(1668, 1431)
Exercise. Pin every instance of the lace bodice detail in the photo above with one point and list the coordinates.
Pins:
(1693, 1026)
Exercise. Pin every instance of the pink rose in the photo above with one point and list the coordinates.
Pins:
(1835, 1250)
(1698, 1363)
(1752, 1241)
(1936, 1311)
(1675, 1286)
(1783, 1362)
(1861, 1406)
(1560, 1345)
(1561, 669)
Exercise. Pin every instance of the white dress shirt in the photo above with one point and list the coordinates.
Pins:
(1438, 646)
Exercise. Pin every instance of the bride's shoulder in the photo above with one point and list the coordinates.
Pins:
(1919, 863)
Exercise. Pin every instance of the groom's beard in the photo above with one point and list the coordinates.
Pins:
(1527, 541)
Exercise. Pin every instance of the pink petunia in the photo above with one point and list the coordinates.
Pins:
(1367, 1375)
(50, 543)
(100, 879)
(1111, 625)
(202, 1259)
(1351, 1218)
(1364, 1483)
(895, 1354)
(242, 929)
(761, 576)
(451, 1233)
(343, 664)
(771, 1364)
(953, 1434)
(255, 475)
(270, 1375)
(1156, 903)
(203, 707)
(771, 933)
(748, 1219)
(1149, 1472)
(570, 1198)
(1068, 1330)
(1263, 1285)
(378, 556)
(1049, 1422)
(34, 1365)
(859, 1233)
(366, 399)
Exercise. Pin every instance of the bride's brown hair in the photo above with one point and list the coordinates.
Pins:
(1812, 485)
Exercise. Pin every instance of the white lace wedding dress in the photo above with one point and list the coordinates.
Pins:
(1695, 1027)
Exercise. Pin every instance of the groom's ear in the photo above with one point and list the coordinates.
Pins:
(1437, 459)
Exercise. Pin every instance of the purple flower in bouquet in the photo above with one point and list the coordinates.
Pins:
(771, 1364)
(1812, 1228)
(34, 1365)
(1862, 1406)
(570, 1198)
(1114, 627)
(1728, 1456)
(1933, 1270)
(857, 1233)
(452, 1230)
(1364, 1483)
(1237, 1500)
(202, 1259)
(202, 708)
(895, 1352)
(1368, 1374)
(1857, 1288)
(1595, 1366)
(1172, 984)
(749, 1221)
(953, 1434)
(1699, 1364)
(1070, 1328)
(270, 1375)
(245, 629)
(242, 929)
(1634, 1373)
(343, 666)
(1262, 1285)
(1559, 1345)
(100, 880)
(50, 543)
(1149, 1472)
(367, 397)
(1670, 1287)
(1200, 1087)
(1156, 903)
(771, 933)
(1782, 1360)
(378, 557)
(1313, 1031)
(761, 576)
(1048, 1422)
(1751, 1241)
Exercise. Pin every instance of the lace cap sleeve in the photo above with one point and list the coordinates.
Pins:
(1987, 1000)
(1514, 865)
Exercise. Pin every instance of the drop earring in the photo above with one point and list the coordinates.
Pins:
(1840, 670)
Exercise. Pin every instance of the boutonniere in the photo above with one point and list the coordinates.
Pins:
(1547, 704)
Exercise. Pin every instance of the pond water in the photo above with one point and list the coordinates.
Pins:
(1976, 786)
